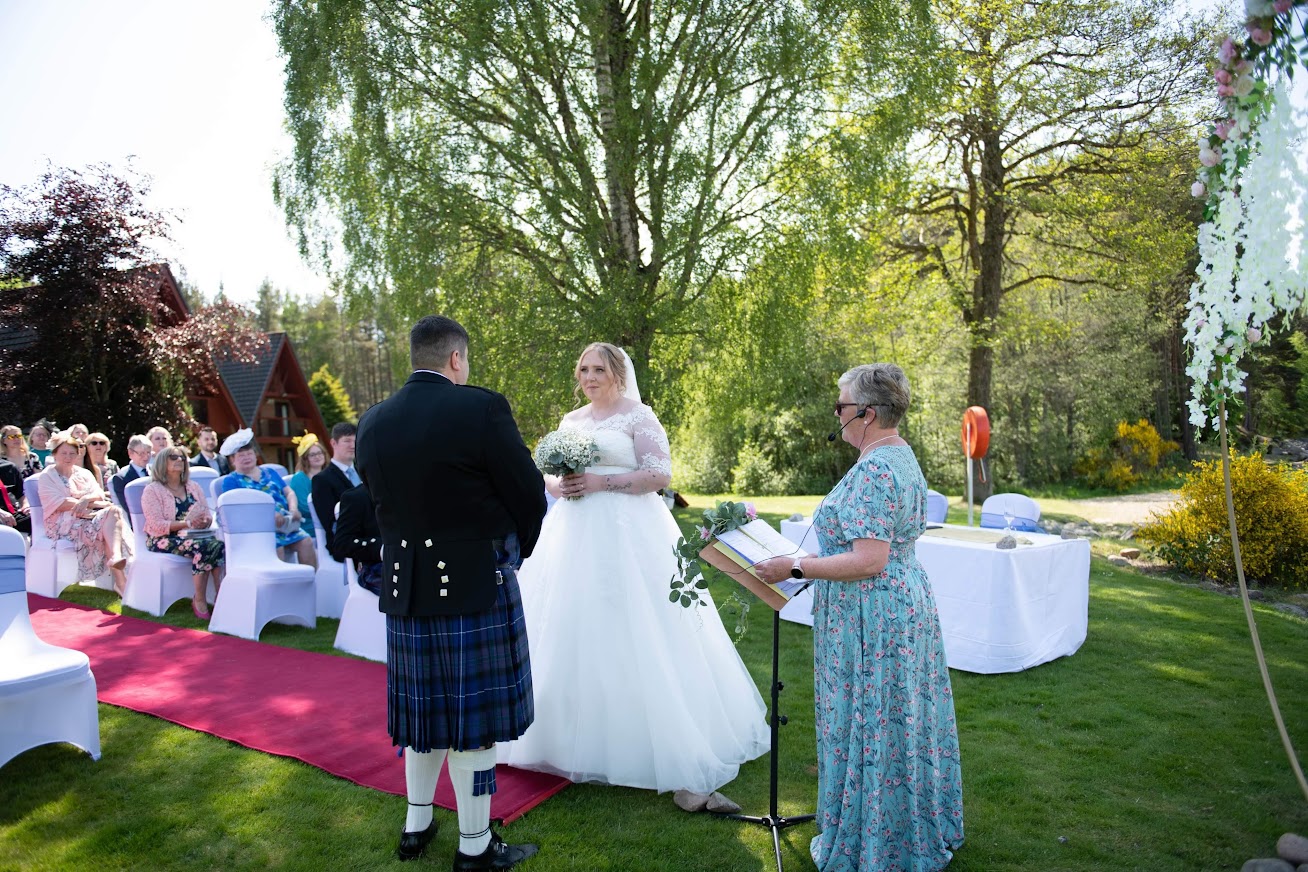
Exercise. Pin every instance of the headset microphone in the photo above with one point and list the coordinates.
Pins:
(831, 437)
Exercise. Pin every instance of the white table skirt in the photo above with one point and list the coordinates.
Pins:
(1000, 611)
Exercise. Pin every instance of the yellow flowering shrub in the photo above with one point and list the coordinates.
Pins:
(1271, 518)
(1137, 453)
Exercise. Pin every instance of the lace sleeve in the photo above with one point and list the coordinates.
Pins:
(652, 449)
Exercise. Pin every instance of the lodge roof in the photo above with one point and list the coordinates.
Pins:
(248, 382)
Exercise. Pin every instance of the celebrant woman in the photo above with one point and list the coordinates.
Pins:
(890, 788)
(630, 689)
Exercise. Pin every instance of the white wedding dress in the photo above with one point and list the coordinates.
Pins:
(630, 689)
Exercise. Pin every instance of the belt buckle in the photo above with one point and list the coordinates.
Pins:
(499, 577)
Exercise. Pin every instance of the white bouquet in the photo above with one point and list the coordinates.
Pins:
(565, 452)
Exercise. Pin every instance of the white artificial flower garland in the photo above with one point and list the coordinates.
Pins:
(1251, 249)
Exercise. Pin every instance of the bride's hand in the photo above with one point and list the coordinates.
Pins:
(580, 484)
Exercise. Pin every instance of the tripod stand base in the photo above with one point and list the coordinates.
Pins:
(776, 823)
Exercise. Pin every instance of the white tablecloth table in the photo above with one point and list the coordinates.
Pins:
(1000, 611)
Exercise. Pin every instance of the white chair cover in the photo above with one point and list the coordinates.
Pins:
(52, 565)
(1024, 509)
(47, 693)
(277, 468)
(204, 476)
(937, 507)
(258, 587)
(363, 625)
(330, 584)
(155, 581)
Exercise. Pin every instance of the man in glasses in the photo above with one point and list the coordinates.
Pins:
(138, 466)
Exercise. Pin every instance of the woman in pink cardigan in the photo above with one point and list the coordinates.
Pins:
(76, 509)
(173, 504)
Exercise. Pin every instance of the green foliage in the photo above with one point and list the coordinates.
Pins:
(688, 585)
(332, 398)
(1137, 454)
(1271, 515)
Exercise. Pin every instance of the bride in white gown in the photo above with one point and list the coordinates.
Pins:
(630, 688)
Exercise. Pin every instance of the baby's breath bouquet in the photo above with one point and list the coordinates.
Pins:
(565, 452)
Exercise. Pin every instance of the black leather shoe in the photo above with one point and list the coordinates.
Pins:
(497, 855)
(412, 845)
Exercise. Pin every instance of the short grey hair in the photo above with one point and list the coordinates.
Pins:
(139, 441)
(883, 386)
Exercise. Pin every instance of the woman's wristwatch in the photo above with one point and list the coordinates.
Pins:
(796, 571)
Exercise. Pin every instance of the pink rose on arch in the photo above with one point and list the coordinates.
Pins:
(1254, 335)
(1198, 189)
(1225, 91)
(1223, 129)
(1228, 52)
(1208, 157)
(1242, 67)
(1259, 34)
(1223, 77)
(1283, 6)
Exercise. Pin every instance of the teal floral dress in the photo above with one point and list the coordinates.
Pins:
(204, 554)
(890, 786)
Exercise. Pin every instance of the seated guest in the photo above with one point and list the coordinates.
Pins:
(337, 477)
(13, 447)
(173, 504)
(79, 432)
(138, 466)
(77, 509)
(39, 438)
(97, 452)
(159, 440)
(310, 459)
(243, 453)
(13, 505)
(358, 537)
(208, 454)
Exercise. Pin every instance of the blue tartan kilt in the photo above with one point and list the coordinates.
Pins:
(460, 681)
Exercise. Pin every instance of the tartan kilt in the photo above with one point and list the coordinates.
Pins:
(460, 681)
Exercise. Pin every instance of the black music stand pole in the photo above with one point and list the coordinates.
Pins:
(773, 820)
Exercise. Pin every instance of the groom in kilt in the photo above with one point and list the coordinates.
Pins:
(459, 503)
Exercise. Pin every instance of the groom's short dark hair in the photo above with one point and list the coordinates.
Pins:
(433, 339)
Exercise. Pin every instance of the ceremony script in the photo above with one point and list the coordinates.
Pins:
(748, 545)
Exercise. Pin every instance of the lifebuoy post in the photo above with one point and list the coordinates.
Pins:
(976, 441)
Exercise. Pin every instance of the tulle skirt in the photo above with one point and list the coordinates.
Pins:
(630, 688)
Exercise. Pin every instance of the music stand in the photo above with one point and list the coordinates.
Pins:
(773, 820)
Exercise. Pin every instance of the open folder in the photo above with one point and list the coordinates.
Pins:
(735, 553)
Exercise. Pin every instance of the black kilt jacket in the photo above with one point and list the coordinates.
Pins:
(449, 474)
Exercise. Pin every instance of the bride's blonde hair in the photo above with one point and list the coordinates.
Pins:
(613, 359)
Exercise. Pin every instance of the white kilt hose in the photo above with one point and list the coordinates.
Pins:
(461, 681)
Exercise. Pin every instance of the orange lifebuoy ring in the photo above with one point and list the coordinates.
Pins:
(976, 432)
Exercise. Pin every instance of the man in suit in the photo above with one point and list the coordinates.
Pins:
(336, 477)
(459, 503)
(138, 466)
(208, 454)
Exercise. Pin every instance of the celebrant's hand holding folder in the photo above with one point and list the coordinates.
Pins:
(735, 552)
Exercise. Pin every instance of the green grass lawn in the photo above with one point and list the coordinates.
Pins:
(1152, 748)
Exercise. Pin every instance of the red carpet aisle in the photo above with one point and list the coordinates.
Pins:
(329, 712)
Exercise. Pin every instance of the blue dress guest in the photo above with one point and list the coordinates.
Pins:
(243, 453)
(890, 786)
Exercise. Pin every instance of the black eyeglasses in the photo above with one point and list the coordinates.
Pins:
(840, 407)
(97, 442)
